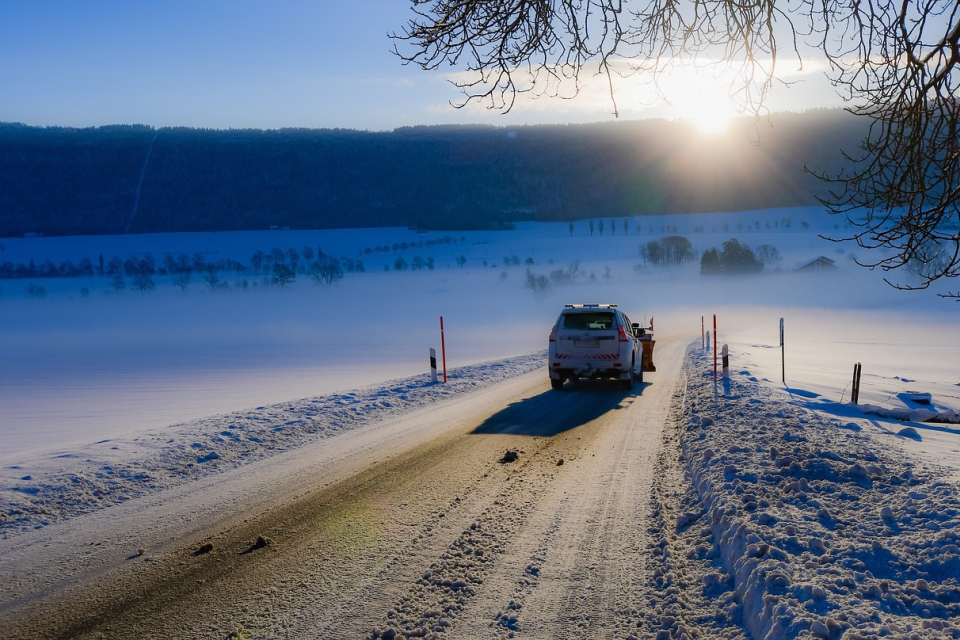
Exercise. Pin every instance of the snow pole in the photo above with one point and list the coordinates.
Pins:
(443, 351)
(855, 392)
(702, 332)
(783, 359)
(714, 346)
(726, 362)
(433, 364)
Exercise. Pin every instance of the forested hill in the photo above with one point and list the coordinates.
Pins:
(136, 179)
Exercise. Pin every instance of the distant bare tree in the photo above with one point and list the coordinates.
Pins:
(538, 283)
(677, 249)
(212, 278)
(143, 282)
(282, 275)
(256, 260)
(567, 275)
(326, 270)
(117, 282)
(669, 250)
(768, 255)
(294, 257)
(181, 278)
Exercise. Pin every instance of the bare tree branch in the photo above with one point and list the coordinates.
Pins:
(513, 47)
(901, 192)
(895, 63)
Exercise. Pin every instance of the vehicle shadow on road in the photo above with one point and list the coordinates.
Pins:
(554, 412)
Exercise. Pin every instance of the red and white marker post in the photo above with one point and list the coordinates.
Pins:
(443, 351)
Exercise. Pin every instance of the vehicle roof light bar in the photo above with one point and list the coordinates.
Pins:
(602, 305)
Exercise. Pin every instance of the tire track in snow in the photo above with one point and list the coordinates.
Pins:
(576, 566)
(593, 581)
(598, 558)
(443, 598)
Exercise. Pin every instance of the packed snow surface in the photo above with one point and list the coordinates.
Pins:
(828, 528)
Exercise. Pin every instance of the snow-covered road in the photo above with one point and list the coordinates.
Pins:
(413, 523)
(686, 508)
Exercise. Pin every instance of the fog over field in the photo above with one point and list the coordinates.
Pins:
(79, 367)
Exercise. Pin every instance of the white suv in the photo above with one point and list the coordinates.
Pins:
(595, 341)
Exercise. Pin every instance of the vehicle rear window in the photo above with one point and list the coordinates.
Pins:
(599, 320)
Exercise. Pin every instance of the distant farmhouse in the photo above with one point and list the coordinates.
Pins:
(820, 263)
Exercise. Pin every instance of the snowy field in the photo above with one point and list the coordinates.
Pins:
(106, 396)
(79, 368)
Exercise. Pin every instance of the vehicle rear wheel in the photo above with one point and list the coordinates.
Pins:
(556, 383)
(627, 383)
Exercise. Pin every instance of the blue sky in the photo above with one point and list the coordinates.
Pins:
(230, 64)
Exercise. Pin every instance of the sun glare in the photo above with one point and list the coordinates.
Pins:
(699, 98)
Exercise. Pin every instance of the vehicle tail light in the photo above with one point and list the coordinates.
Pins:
(623, 335)
(553, 334)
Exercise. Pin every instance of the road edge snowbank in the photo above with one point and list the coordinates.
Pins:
(825, 533)
(61, 485)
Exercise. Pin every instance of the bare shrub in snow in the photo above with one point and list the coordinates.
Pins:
(538, 283)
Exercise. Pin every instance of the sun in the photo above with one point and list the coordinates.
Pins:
(699, 98)
(709, 116)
